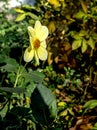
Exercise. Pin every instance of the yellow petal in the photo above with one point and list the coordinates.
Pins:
(37, 26)
(31, 42)
(42, 53)
(43, 44)
(42, 33)
(36, 58)
(31, 31)
(28, 55)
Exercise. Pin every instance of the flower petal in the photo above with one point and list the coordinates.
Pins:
(31, 42)
(42, 53)
(42, 33)
(43, 44)
(37, 26)
(28, 55)
(31, 31)
(36, 58)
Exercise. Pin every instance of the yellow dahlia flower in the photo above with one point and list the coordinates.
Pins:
(37, 47)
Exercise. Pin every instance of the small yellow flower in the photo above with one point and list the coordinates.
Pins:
(37, 47)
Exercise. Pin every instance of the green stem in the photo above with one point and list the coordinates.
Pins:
(19, 73)
(17, 77)
(23, 68)
(91, 68)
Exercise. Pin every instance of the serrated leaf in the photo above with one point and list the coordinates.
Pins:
(30, 88)
(35, 76)
(84, 46)
(91, 43)
(90, 105)
(21, 17)
(76, 44)
(43, 105)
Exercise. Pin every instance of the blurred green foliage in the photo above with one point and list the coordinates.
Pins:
(70, 74)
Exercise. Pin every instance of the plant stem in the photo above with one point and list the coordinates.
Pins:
(91, 68)
(19, 73)
(17, 77)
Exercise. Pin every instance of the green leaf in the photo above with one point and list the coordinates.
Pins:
(76, 36)
(21, 17)
(13, 90)
(94, 36)
(4, 110)
(18, 10)
(80, 15)
(89, 105)
(15, 117)
(33, 16)
(43, 105)
(95, 126)
(11, 65)
(2, 58)
(82, 33)
(35, 76)
(91, 43)
(30, 88)
(76, 44)
(84, 46)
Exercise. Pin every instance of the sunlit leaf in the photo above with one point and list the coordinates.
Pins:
(89, 105)
(64, 113)
(82, 33)
(84, 6)
(18, 10)
(80, 15)
(76, 44)
(33, 16)
(21, 17)
(84, 46)
(91, 43)
(95, 126)
(76, 36)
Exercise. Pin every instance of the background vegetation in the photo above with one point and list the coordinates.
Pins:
(60, 93)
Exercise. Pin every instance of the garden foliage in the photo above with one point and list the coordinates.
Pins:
(59, 93)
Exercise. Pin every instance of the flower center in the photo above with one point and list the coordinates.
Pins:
(36, 44)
